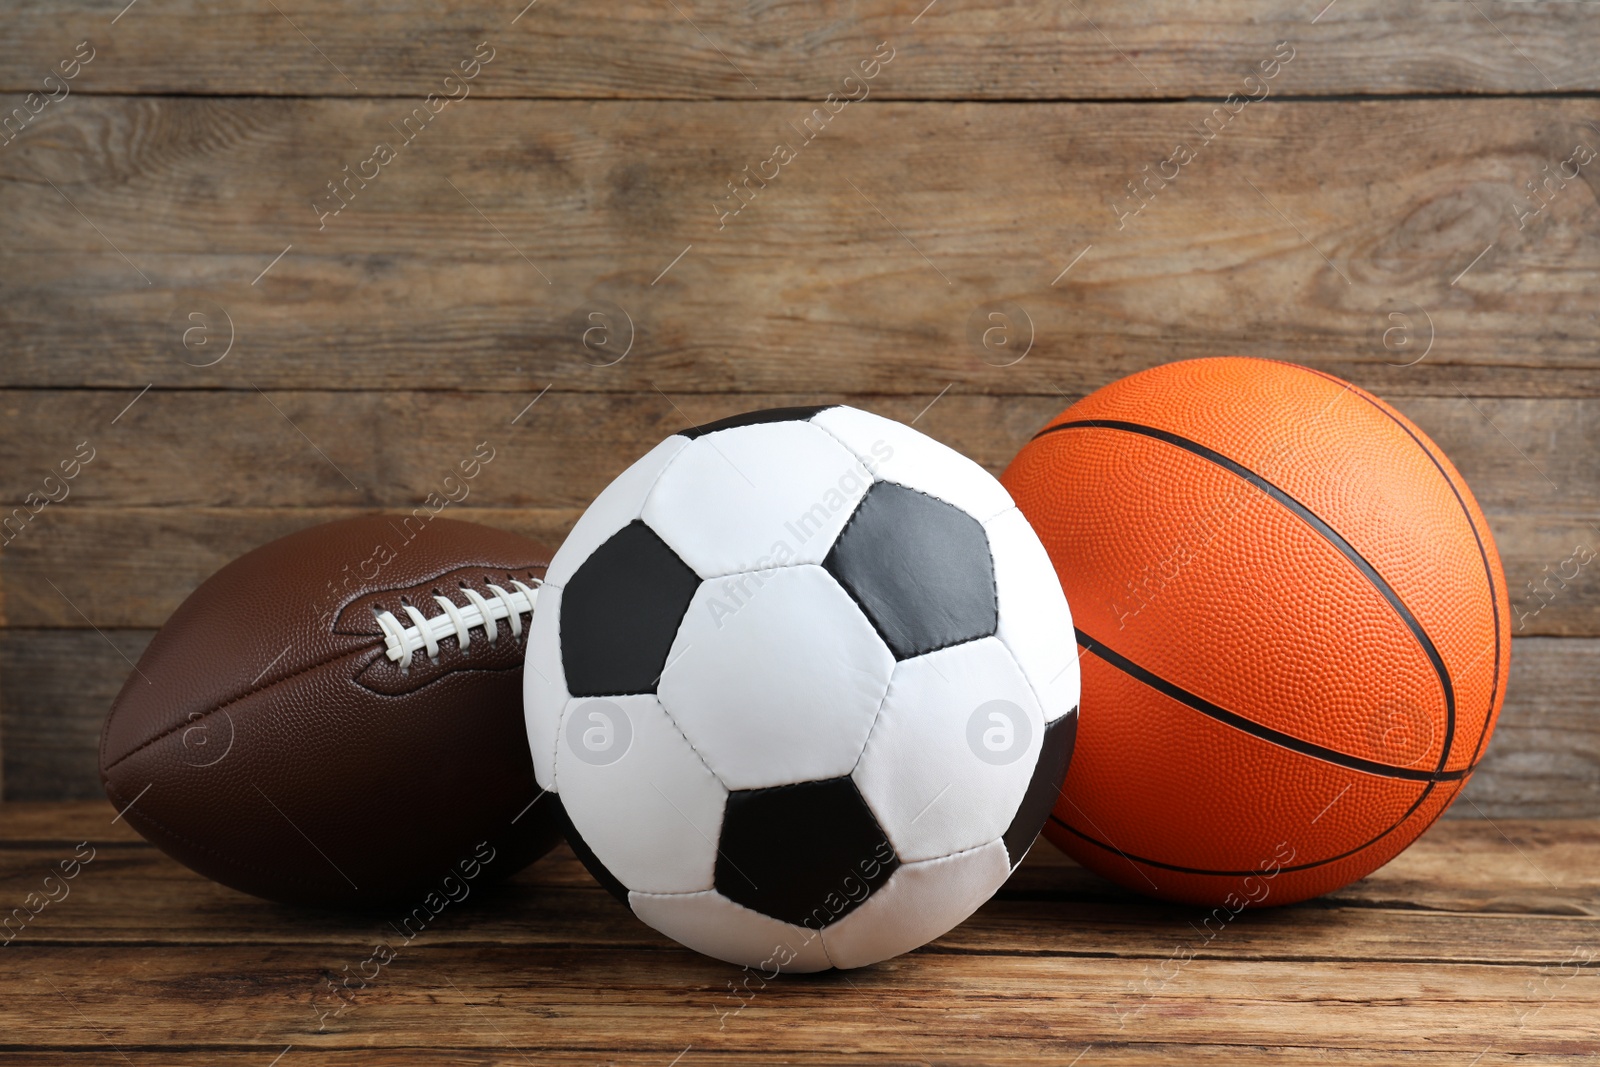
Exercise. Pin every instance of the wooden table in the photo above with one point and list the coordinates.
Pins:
(1477, 946)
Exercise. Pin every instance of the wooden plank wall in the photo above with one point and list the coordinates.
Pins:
(243, 352)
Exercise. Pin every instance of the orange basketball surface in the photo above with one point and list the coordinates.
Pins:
(1292, 626)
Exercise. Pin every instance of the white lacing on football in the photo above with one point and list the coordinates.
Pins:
(459, 620)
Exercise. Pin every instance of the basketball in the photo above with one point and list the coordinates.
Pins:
(1292, 627)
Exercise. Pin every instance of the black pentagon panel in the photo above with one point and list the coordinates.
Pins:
(1055, 755)
(753, 418)
(806, 854)
(591, 862)
(620, 613)
(919, 567)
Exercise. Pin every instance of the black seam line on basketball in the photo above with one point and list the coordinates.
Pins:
(1373, 840)
(1255, 729)
(1426, 789)
(1311, 866)
(1328, 533)
(1488, 574)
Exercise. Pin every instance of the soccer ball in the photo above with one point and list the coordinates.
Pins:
(804, 682)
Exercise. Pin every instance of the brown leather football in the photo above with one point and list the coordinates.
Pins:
(335, 718)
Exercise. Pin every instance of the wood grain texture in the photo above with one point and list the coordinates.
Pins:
(60, 572)
(60, 575)
(1298, 233)
(1545, 757)
(1105, 1053)
(55, 689)
(1478, 936)
(162, 554)
(25, 825)
(651, 1006)
(1534, 466)
(243, 447)
(1460, 873)
(1009, 50)
(1544, 760)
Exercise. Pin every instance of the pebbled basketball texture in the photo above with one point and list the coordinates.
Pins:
(1292, 621)
(268, 741)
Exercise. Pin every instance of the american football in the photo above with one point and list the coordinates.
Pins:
(335, 717)
(804, 682)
